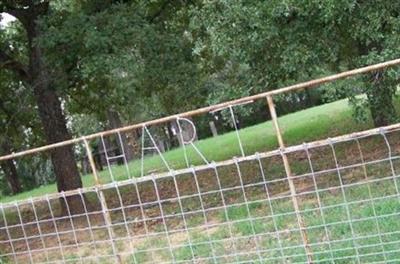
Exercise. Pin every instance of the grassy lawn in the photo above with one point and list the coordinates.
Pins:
(263, 232)
(335, 243)
(333, 238)
(314, 123)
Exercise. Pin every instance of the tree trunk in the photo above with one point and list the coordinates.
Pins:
(54, 124)
(63, 160)
(380, 100)
(114, 121)
(174, 140)
(10, 171)
(312, 99)
(37, 76)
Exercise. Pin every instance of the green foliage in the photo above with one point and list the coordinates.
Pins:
(284, 42)
(19, 125)
(119, 54)
(146, 59)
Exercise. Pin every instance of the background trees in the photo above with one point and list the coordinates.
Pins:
(287, 41)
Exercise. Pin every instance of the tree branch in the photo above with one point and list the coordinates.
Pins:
(9, 63)
(159, 11)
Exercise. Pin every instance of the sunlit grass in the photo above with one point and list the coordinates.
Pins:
(306, 125)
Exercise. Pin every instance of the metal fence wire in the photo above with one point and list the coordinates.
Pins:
(334, 200)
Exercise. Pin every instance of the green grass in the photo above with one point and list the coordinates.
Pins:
(370, 222)
(310, 124)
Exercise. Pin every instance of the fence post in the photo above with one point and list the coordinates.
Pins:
(103, 203)
(292, 188)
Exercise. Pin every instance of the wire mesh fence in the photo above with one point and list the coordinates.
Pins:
(334, 200)
(239, 210)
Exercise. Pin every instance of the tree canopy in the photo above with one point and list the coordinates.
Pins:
(114, 62)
